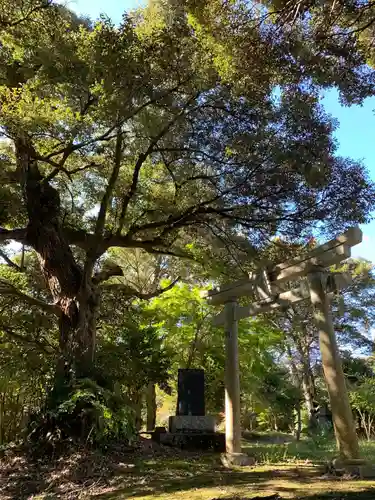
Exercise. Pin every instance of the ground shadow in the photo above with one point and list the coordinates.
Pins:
(22, 475)
(368, 494)
(154, 479)
(110, 476)
(338, 495)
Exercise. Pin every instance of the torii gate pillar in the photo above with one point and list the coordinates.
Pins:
(346, 437)
(232, 380)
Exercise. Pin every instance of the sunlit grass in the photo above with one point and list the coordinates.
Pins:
(288, 469)
(314, 451)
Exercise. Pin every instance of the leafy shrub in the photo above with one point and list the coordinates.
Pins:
(88, 414)
(322, 434)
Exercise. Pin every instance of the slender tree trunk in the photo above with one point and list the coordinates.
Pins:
(195, 343)
(2, 419)
(275, 426)
(151, 406)
(370, 426)
(137, 404)
(308, 389)
(307, 379)
(302, 374)
(368, 429)
(298, 428)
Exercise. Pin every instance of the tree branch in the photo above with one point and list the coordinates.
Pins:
(105, 274)
(7, 288)
(132, 292)
(10, 263)
(141, 159)
(13, 234)
(5, 23)
(110, 187)
(29, 340)
(70, 148)
(79, 238)
(149, 246)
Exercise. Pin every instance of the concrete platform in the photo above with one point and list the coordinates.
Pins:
(355, 467)
(191, 423)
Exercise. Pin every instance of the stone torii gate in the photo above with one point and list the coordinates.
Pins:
(265, 285)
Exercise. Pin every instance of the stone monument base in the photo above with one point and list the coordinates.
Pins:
(236, 460)
(191, 423)
(356, 467)
(213, 441)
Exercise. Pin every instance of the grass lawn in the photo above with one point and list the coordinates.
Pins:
(202, 481)
(287, 470)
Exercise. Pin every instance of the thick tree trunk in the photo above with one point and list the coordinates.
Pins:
(151, 406)
(75, 296)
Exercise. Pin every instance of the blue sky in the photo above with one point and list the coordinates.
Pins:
(357, 123)
(93, 8)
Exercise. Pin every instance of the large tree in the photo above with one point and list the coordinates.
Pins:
(191, 123)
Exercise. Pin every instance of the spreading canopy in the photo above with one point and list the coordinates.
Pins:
(192, 130)
(166, 123)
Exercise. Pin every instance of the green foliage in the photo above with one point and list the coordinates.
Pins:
(66, 81)
(86, 413)
(25, 375)
(275, 400)
(184, 321)
(124, 352)
(362, 398)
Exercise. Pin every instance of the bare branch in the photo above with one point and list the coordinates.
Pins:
(133, 187)
(79, 238)
(82, 169)
(110, 187)
(154, 246)
(71, 147)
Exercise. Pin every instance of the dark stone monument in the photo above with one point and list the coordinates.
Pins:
(191, 428)
(190, 400)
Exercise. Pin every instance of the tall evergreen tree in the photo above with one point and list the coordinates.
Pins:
(190, 124)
